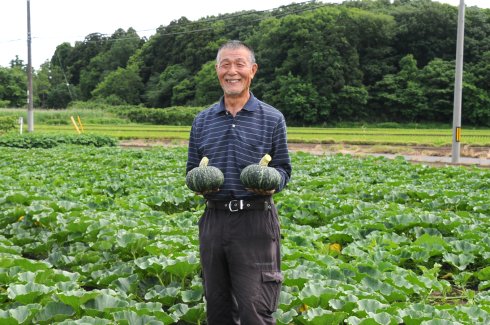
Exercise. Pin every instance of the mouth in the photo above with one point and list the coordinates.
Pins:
(232, 81)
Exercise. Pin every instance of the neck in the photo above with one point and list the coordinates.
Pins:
(234, 104)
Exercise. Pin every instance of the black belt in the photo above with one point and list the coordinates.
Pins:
(237, 205)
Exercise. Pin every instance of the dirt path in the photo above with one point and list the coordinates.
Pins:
(315, 148)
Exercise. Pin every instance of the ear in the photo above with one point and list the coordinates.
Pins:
(255, 68)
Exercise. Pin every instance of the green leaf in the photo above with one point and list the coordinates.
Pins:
(461, 261)
(440, 322)
(105, 301)
(86, 320)
(179, 309)
(192, 295)
(319, 316)
(151, 263)
(284, 317)
(166, 295)
(370, 305)
(76, 298)
(194, 315)
(285, 299)
(154, 309)
(346, 304)
(27, 293)
(183, 265)
(484, 285)
(19, 197)
(19, 315)
(105, 276)
(484, 274)
(125, 239)
(55, 311)
(131, 318)
(387, 318)
(388, 291)
(430, 241)
(314, 294)
(127, 285)
(24, 264)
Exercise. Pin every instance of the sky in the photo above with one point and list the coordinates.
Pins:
(56, 21)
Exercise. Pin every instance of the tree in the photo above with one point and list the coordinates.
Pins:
(475, 105)
(208, 89)
(13, 86)
(42, 85)
(119, 48)
(400, 97)
(476, 92)
(437, 80)
(80, 55)
(160, 88)
(350, 104)
(59, 96)
(372, 33)
(297, 99)
(311, 51)
(426, 30)
(400, 52)
(162, 49)
(481, 71)
(17, 62)
(477, 34)
(183, 93)
(124, 83)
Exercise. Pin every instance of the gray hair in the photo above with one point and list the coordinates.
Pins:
(234, 45)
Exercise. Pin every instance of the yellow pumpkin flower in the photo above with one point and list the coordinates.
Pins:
(335, 247)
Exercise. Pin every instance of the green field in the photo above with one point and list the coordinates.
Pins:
(109, 236)
(429, 137)
(102, 122)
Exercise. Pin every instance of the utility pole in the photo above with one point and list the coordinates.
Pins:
(30, 105)
(458, 86)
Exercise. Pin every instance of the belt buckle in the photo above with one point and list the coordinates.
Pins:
(238, 202)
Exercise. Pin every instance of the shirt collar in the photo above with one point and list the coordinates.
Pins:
(251, 105)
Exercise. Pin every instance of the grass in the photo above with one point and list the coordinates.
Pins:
(436, 138)
(62, 117)
(102, 122)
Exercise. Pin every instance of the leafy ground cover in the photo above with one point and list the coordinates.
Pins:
(109, 235)
(35, 140)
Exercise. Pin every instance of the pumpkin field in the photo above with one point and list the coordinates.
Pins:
(109, 236)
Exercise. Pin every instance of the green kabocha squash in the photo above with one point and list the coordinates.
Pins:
(204, 178)
(261, 176)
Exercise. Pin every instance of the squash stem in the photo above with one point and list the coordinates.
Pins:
(265, 160)
(204, 162)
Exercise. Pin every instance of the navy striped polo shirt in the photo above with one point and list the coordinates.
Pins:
(232, 143)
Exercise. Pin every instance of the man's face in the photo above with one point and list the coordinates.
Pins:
(235, 71)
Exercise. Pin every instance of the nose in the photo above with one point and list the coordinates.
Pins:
(232, 68)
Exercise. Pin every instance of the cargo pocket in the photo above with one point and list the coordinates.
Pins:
(271, 287)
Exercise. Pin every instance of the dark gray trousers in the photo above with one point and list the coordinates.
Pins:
(240, 259)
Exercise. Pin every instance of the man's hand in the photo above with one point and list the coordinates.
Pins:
(261, 192)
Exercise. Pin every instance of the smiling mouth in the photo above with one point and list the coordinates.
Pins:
(232, 81)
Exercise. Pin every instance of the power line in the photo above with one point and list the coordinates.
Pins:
(204, 21)
(255, 20)
(64, 75)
